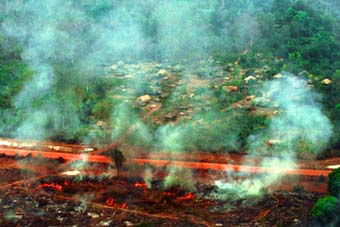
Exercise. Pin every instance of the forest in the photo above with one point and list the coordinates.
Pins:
(61, 71)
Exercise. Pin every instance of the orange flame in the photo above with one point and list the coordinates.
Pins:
(52, 186)
(168, 194)
(187, 196)
(111, 202)
(141, 185)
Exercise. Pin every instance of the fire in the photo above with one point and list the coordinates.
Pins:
(71, 173)
(141, 185)
(333, 166)
(207, 203)
(187, 196)
(111, 202)
(168, 193)
(51, 186)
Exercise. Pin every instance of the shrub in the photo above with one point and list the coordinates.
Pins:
(145, 224)
(326, 208)
(102, 109)
(298, 189)
(334, 182)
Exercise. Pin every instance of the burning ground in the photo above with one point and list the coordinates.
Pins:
(133, 205)
(45, 191)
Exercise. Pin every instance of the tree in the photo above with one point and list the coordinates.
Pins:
(326, 209)
(118, 158)
(334, 182)
(304, 36)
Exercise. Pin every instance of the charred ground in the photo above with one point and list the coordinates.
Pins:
(38, 195)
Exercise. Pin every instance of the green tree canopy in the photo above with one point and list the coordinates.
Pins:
(334, 182)
(326, 209)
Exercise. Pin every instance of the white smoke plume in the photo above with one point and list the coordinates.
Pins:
(300, 127)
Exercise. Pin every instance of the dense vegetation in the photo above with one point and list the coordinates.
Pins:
(286, 35)
(334, 183)
(326, 209)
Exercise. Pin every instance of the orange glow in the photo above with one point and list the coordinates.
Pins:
(187, 196)
(168, 193)
(141, 185)
(51, 186)
(333, 166)
(162, 163)
(111, 202)
(71, 173)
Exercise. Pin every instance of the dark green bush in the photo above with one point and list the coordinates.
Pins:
(334, 182)
(146, 224)
(326, 209)
(298, 189)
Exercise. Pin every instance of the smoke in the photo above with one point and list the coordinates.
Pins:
(205, 128)
(129, 127)
(300, 128)
(179, 177)
(38, 26)
(66, 43)
(60, 37)
(180, 23)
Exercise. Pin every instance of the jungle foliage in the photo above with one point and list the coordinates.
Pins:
(303, 35)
